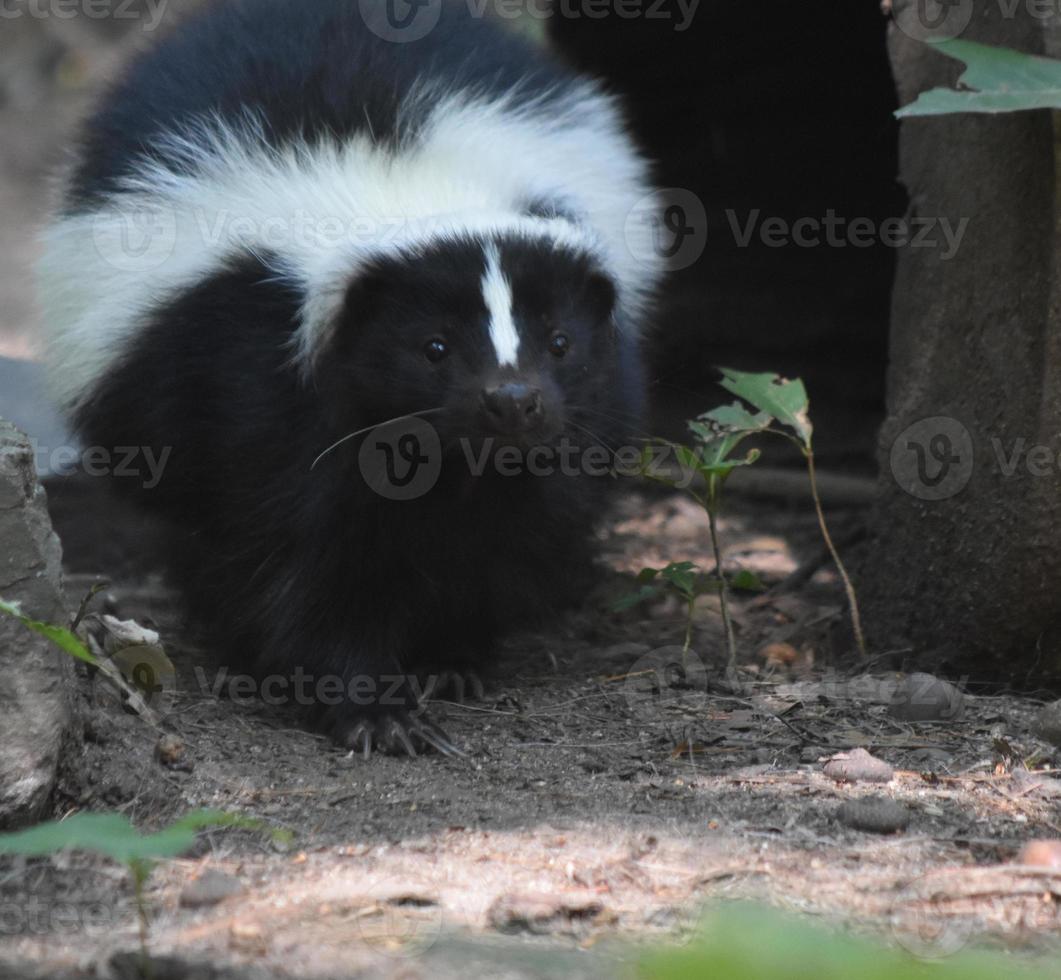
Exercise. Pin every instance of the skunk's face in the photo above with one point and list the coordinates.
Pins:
(499, 343)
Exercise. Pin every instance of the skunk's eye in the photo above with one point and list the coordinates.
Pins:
(435, 350)
(559, 345)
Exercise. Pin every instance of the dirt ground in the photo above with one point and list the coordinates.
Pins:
(595, 810)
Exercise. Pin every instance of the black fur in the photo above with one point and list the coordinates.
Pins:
(308, 69)
(289, 559)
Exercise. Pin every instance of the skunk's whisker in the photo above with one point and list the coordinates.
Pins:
(593, 435)
(618, 419)
(369, 428)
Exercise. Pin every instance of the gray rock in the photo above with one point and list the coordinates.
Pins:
(1048, 723)
(211, 888)
(874, 814)
(924, 697)
(858, 765)
(34, 675)
(25, 402)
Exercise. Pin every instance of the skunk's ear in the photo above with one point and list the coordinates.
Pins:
(338, 297)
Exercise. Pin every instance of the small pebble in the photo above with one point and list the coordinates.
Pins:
(248, 937)
(875, 814)
(169, 751)
(210, 888)
(858, 765)
(779, 655)
(1041, 854)
(923, 697)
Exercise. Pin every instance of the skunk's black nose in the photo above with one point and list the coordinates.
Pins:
(512, 407)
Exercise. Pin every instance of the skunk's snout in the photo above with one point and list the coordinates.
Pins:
(513, 407)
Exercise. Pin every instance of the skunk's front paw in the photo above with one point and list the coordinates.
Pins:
(394, 732)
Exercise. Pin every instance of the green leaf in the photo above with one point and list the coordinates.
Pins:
(61, 637)
(681, 577)
(720, 432)
(786, 400)
(688, 458)
(110, 834)
(180, 836)
(743, 942)
(747, 581)
(733, 418)
(113, 835)
(722, 469)
(647, 463)
(995, 80)
(644, 594)
(707, 585)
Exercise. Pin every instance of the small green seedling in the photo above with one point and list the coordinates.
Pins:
(678, 578)
(785, 402)
(70, 643)
(113, 836)
(781, 407)
(712, 459)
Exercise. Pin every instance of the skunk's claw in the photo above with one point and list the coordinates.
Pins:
(429, 733)
(358, 737)
(396, 733)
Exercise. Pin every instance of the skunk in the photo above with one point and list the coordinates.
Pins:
(351, 281)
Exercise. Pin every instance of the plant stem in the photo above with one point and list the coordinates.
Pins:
(86, 602)
(731, 640)
(688, 630)
(139, 879)
(852, 599)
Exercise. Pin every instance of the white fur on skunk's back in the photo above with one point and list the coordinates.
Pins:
(317, 212)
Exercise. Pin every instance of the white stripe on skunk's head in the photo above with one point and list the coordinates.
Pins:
(507, 337)
(562, 175)
(497, 293)
(325, 282)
